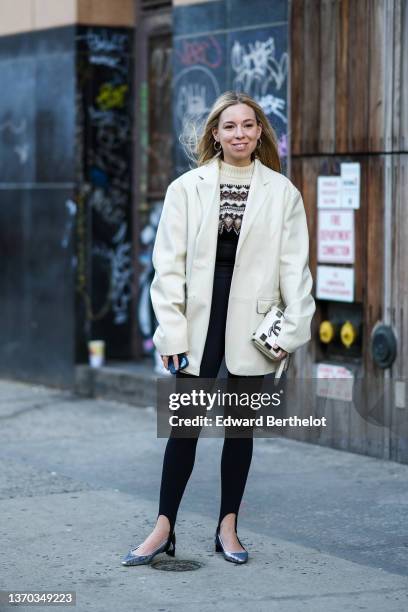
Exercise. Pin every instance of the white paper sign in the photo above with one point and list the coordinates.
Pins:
(329, 191)
(335, 236)
(334, 283)
(334, 382)
(350, 179)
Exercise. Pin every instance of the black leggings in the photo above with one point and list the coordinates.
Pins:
(180, 452)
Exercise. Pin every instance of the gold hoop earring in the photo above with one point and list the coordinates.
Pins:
(214, 145)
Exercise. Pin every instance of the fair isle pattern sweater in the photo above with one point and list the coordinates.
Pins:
(234, 188)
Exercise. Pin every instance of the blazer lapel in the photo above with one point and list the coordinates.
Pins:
(256, 198)
(208, 192)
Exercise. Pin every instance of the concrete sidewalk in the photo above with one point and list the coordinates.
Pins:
(326, 530)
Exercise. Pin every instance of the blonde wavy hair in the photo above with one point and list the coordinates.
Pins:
(267, 152)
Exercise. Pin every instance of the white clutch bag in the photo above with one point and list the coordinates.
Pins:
(267, 334)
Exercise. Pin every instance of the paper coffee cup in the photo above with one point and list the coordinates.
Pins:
(96, 350)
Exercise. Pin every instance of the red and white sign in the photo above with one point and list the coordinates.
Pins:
(334, 382)
(335, 236)
(329, 192)
(334, 283)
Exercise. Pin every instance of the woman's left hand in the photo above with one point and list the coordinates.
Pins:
(282, 354)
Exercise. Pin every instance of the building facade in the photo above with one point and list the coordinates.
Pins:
(99, 102)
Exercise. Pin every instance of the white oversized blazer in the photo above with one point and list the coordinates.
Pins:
(271, 267)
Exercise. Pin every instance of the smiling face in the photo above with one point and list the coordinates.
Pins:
(238, 134)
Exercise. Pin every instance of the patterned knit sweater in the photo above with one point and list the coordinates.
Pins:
(234, 187)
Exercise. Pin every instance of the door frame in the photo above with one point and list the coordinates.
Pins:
(148, 24)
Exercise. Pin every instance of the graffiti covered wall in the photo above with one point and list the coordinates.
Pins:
(104, 156)
(228, 44)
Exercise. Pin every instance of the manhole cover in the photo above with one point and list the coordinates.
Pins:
(176, 566)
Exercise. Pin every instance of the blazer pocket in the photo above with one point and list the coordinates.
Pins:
(263, 305)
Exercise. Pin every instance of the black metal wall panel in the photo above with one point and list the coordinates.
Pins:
(36, 214)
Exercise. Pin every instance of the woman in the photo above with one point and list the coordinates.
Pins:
(231, 242)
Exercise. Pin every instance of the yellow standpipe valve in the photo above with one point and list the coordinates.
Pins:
(327, 332)
(348, 334)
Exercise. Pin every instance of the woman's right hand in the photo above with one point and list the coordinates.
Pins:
(165, 360)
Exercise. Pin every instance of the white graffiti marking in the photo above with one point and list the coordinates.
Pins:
(71, 207)
(120, 234)
(112, 163)
(273, 105)
(121, 272)
(191, 100)
(195, 94)
(102, 118)
(14, 128)
(112, 61)
(199, 90)
(22, 152)
(111, 207)
(17, 128)
(104, 41)
(121, 282)
(257, 68)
